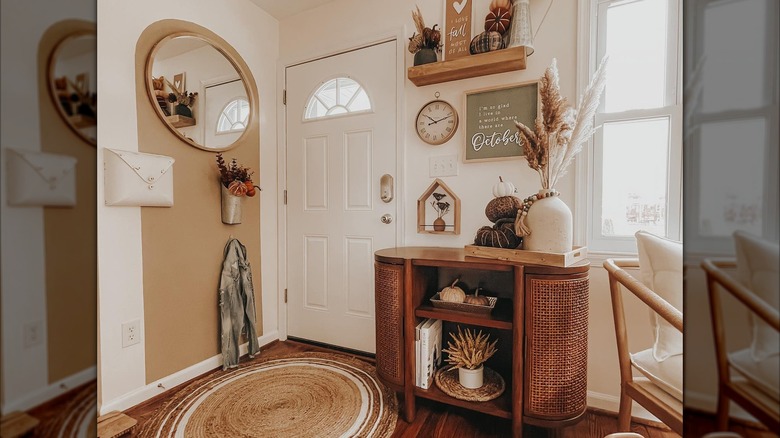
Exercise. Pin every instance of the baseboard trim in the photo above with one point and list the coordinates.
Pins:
(140, 395)
(611, 403)
(51, 391)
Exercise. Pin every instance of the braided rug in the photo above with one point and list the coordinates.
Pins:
(302, 395)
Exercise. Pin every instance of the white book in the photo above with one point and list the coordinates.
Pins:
(428, 346)
(417, 352)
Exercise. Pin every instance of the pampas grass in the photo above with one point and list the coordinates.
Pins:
(560, 131)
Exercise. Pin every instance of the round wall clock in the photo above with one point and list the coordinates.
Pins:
(436, 122)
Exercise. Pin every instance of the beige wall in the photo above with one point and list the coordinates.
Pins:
(69, 233)
(183, 245)
(161, 265)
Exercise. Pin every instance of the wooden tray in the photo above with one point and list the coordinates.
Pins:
(578, 253)
(464, 307)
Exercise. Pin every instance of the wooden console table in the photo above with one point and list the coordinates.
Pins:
(540, 320)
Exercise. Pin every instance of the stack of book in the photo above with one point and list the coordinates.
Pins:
(427, 344)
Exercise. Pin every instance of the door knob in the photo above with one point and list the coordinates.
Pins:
(386, 218)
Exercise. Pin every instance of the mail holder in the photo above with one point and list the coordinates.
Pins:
(40, 179)
(138, 179)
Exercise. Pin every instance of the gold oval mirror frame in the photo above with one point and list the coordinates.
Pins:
(72, 78)
(199, 91)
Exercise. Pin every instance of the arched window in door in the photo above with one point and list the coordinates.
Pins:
(336, 97)
(234, 116)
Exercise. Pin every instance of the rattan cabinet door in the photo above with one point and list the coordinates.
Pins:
(389, 322)
(556, 356)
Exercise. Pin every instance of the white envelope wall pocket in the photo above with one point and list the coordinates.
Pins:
(40, 179)
(137, 179)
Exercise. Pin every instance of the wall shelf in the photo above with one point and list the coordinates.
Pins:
(471, 66)
(178, 121)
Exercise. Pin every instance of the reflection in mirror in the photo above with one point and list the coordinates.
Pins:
(198, 92)
(73, 83)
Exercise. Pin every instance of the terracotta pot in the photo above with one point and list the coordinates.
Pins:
(439, 224)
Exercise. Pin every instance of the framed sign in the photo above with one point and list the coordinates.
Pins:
(457, 29)
(490, 115)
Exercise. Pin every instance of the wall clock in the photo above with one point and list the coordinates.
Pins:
(436, 122)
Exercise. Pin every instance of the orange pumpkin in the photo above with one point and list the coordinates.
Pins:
(477, 299)
(237, 188)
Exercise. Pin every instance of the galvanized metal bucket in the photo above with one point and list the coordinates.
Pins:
(231, 207)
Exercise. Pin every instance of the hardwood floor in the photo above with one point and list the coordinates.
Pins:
(438, 420)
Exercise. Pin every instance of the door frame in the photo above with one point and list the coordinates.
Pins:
(398, 35)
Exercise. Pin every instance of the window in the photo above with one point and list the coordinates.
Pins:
(631, 178)
(234, 116)
(336, 97)
(731, 123)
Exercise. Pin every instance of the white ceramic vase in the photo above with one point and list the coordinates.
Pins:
(550, 222)
(471, 379)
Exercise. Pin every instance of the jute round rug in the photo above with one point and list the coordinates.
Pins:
(304, 395)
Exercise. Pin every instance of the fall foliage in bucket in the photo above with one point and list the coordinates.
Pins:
(236, 178)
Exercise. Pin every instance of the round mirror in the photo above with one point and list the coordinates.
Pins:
(73, 83)
(197, 90)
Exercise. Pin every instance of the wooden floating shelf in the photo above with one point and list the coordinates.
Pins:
(178, 121)
(471, 66)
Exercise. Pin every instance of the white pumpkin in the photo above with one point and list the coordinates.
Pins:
(452, 293)
(503, 188)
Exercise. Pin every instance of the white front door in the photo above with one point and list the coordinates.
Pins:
(340, 142)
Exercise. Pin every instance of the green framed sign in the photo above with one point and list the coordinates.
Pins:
(490, 117)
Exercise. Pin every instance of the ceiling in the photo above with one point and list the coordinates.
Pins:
(282, 9)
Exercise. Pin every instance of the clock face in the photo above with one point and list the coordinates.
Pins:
(436, 122)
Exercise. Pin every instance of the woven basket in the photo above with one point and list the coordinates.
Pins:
(463, 307)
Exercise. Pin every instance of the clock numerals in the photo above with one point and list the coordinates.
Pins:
(436, 122)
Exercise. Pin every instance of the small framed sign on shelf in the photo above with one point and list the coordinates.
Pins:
(490, 116)
(457, 29)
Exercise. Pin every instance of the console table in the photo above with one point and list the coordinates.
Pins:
(540, 321)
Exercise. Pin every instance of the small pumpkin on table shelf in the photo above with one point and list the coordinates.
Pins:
(452, 293)
(477, 299)
(504, 205)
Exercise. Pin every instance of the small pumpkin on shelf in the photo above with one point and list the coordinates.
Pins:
(505, 4)
(504, 205)
(498, 20)
(477, 299)
(452, 293)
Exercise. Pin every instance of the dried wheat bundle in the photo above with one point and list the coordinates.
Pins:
(561, 131)
(469, 351)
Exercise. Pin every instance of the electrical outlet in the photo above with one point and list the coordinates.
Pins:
(33, 333)
(131, 333)
(443, 165)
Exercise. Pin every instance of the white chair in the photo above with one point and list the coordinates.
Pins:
(750, 376)
(659, 389)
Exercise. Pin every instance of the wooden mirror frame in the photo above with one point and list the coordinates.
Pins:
(50, 66)
(253, 108)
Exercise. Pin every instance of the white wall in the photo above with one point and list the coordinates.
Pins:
(254, 34)
(25, 375)
(345, 24)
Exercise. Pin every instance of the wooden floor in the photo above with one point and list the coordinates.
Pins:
(438, 420)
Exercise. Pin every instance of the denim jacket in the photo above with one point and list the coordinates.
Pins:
(236, 304)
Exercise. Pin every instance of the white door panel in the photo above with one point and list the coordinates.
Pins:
(334, 209)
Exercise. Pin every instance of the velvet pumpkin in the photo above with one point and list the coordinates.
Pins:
(503, 207)
(498, 20)
(501, 235)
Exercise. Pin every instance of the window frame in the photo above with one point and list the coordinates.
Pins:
(591, 43)
(697, 245)
(313, 95)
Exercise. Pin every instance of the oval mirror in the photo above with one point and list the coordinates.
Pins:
(197, 90)
(73, 83)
